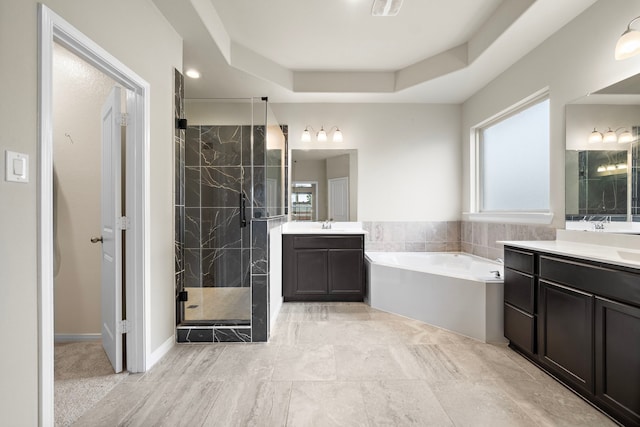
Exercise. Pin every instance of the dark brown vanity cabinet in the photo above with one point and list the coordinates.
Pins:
(580, 321)
(519, 300)
(323, 268)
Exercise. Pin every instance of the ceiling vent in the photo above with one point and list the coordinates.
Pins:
(386, 7)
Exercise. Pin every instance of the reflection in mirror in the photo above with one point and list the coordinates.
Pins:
(324, 185)
(601, 179)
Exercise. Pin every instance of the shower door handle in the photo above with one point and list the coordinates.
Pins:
(96, 239)
(243, 210)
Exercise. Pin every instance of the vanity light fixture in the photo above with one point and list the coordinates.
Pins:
(601, 169)
(629, 42)
(595, 137)
(611, 136)
(321, 135)
(621, 166)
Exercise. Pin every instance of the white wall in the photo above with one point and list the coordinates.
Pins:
(409, 165)
(78, 95)
(138, 35)
(575, 61)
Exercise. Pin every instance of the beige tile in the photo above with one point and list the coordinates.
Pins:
(285, 333)
(550, 404)
(353, 312)
(376, 362)
(435, 364)
(185, 361)
(244, 362)
(305, 363)
(250, 404)
(344, 332)
(482, 361)
(402, 403)
(326, 404)
(116, 405)
(473, 403)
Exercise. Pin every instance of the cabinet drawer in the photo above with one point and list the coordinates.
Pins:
(519, 290)
(519, 328)
(619, 285)
(327, 242)
(518, 260)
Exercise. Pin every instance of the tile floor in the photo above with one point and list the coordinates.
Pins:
(344, 364)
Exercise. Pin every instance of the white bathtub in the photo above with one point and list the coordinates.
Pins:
(453, 291)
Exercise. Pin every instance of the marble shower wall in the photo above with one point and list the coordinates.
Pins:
(179, 194)
(412, 236)
(217, 173)
(479, 238)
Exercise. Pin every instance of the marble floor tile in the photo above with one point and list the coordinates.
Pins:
(551, 404)
(244, 362)
(326, 404)
(479, 403)
(376, 362)
(250, 403)
(402, 403)
(435, 364)
(334, 364)
(185, 361)
(305, 363)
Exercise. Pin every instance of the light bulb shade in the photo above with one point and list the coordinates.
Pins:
(621, 166)
(322, 135)
(337, 135)
(601, 169)
(306, 135)
(595, 137)
(625, 137)
(610, 137)
(628, 44)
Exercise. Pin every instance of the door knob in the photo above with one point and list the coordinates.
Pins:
(96, 239)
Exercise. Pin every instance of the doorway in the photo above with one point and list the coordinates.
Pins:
(54, 29)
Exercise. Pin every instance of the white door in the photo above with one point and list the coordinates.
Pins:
(111, 233)
(339, 199)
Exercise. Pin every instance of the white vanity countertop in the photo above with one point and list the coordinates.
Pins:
(616, 255)
(307, 227)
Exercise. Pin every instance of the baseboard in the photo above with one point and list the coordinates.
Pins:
(160, 352)
(76, 337)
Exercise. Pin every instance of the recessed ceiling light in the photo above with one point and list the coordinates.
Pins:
(194, 74)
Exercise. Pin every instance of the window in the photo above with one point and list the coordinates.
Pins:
(513, 161)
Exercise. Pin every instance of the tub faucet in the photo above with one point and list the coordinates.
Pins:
(496, 273)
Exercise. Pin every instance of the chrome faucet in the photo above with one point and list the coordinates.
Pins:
(326, 225)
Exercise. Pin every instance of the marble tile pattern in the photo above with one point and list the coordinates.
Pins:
(179, 189)
(217, 163)
(344, 364)
(412, 236)
(480, 238)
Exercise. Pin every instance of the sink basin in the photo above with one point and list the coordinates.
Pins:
(303, 227)
(630, 256)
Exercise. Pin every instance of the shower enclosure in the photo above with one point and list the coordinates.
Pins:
(230, 176)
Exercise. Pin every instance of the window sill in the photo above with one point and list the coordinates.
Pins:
(544, 218)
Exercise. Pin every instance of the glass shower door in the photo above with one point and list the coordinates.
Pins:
(217, 213)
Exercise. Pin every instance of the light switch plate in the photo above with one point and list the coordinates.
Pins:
(16, 167)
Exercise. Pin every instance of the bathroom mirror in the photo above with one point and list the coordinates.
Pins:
(324, 185)
(601, 178)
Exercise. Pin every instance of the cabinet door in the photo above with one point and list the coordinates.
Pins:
(617, 382)
(565, 334)
(345, 270)
(311, 267)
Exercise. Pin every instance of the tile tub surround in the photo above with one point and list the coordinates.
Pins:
(480, 238)
(412, 236)
(344, 364)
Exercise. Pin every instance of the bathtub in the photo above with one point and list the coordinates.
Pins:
(454, 291)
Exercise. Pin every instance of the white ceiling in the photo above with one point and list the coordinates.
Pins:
(433, 51)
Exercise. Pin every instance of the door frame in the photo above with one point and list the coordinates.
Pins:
(53, 28)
